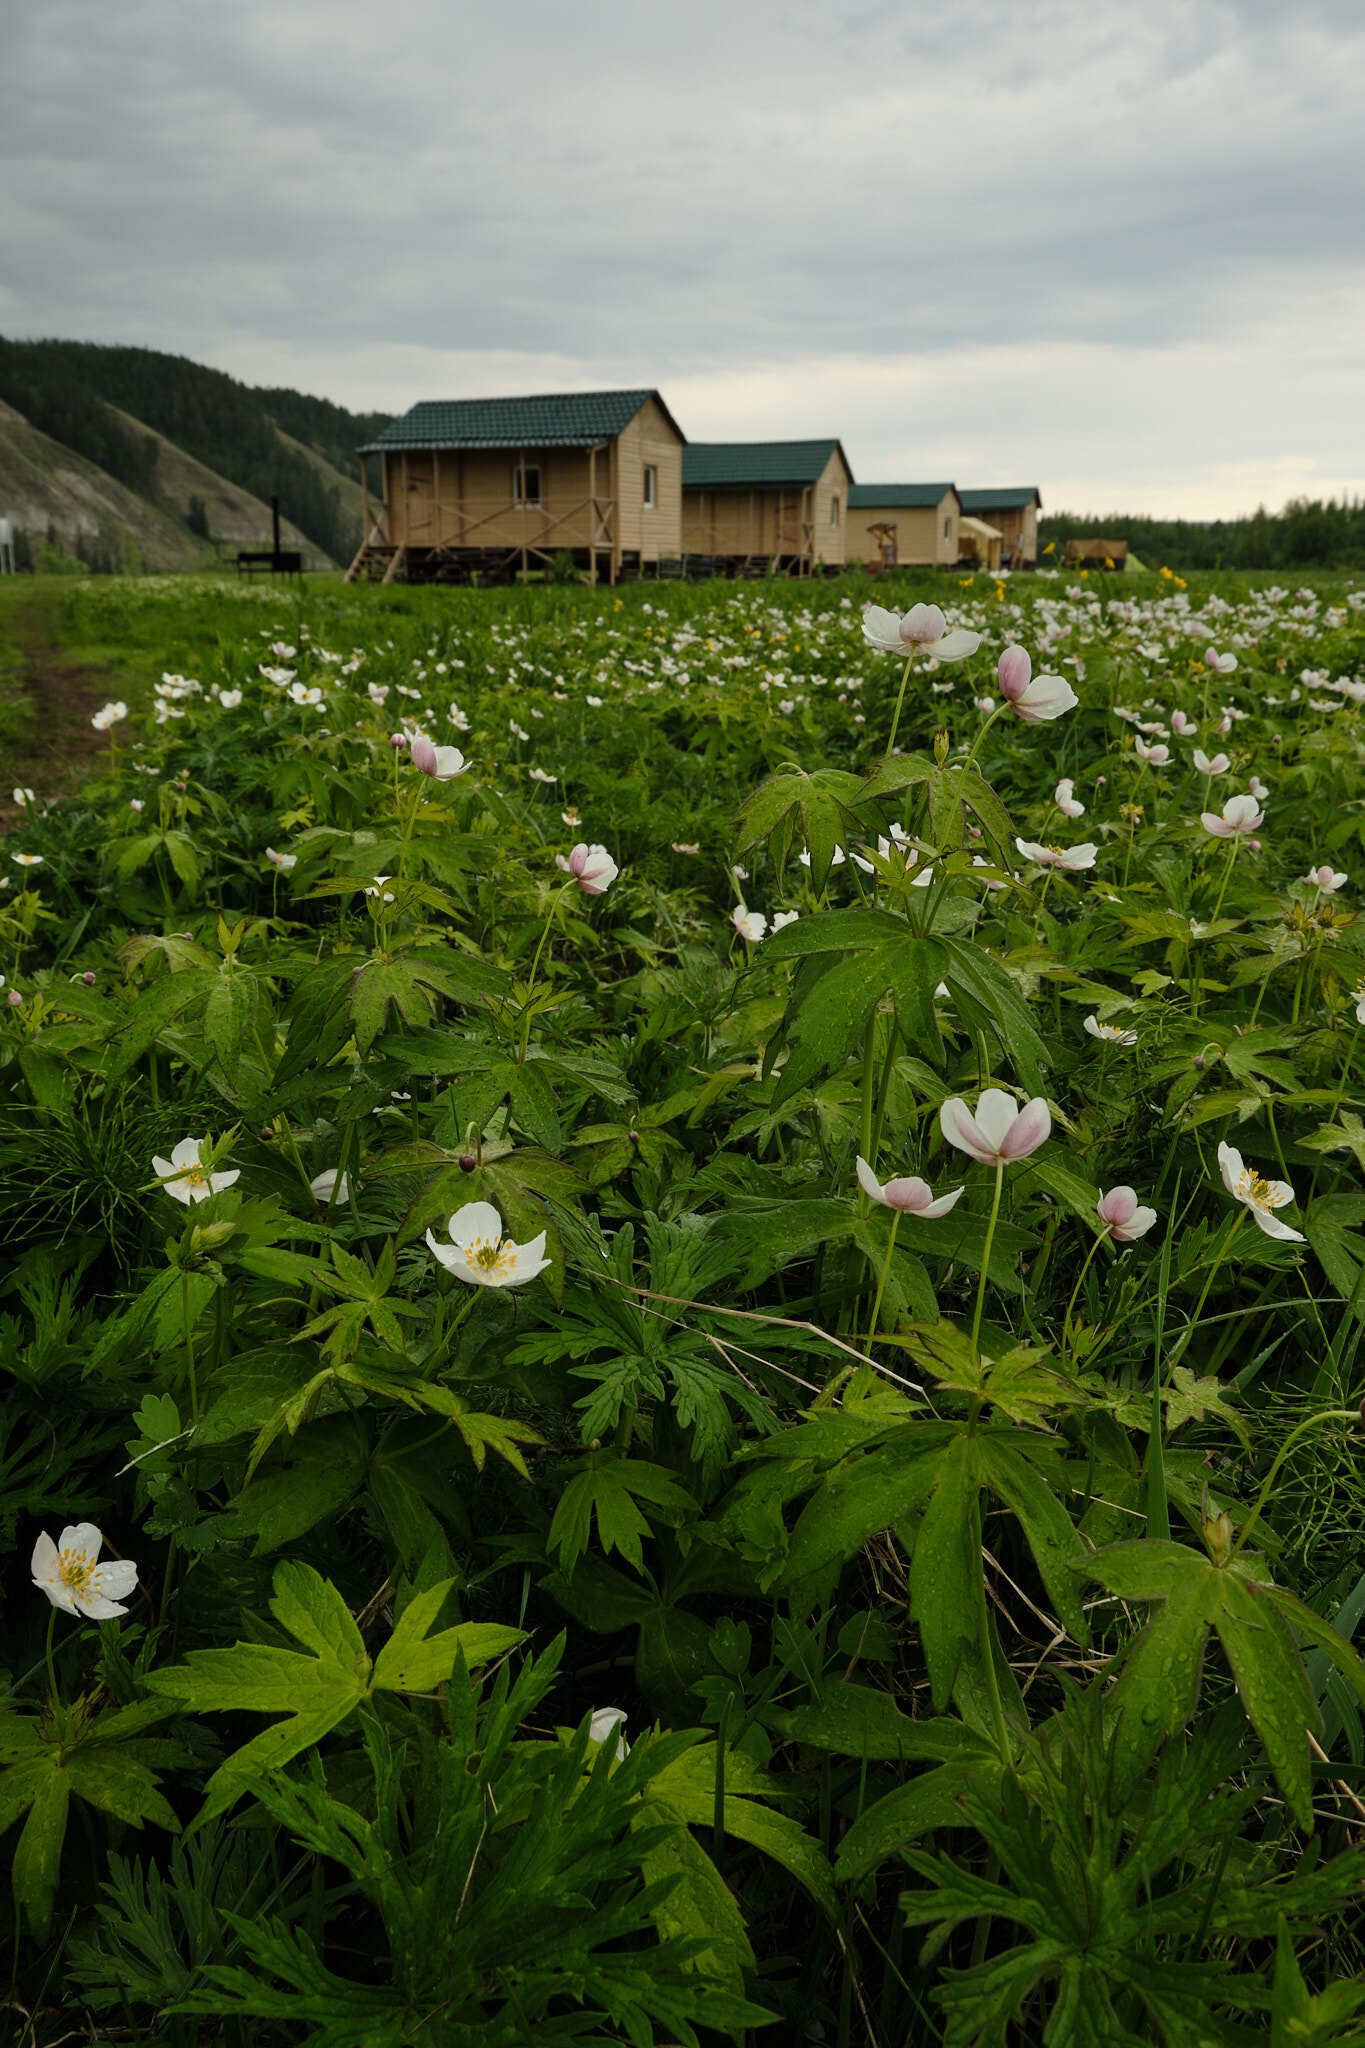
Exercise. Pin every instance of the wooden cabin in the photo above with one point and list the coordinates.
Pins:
(894, 526)
(496, 488)
(750, 506)
(1091, 552)
(980, 546)
(1013, 509)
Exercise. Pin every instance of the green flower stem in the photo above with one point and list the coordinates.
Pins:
(869, 1087)
(986, 1261)
(189, 1347)
(51, 1666)
(881, 1283)
(1310, 1422)
(1227, 877)
(1080, 1279)
(1193, 1324)
(883, 1087)
(975, 747)
(900, 699)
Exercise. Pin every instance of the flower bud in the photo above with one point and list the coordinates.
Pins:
(468, 1162)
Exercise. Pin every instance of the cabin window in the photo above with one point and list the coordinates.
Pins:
(651, 486)
(834, 511)
(526, 486)
(948, 527)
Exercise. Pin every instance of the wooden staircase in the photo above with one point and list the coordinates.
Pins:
(375, 562)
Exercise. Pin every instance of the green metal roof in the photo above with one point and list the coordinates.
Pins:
(755, 465)
(863, 496)
(1008, 498)
(569, 419)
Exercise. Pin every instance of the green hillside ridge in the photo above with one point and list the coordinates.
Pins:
(64, 387)
(226, 514)
(59, 498)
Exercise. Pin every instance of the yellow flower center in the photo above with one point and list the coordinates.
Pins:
(196, 1176)
(1260, 1193)
(490, 1254)
(74, 1568)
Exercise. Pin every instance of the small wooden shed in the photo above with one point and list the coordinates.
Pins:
(755, 505)
(903, 525)
(500, 486)
(1013, 509)
(1095, 553)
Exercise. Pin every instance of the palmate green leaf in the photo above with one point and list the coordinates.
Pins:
(792, 809)
(861, 1721)
(1014, 1478)
(413, 1660)
(952, 790)
(380, 982)
(686, 1787)
(985, 996)
(1019, 1381)
(609, 1487)
(102, 1759)
(946, 1586)
(931, 1800)
(849, 960)
(314, 1689)
(698, 1905)
(1256, 1623)
(862, 1496)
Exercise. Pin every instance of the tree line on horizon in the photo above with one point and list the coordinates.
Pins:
(1308, 533)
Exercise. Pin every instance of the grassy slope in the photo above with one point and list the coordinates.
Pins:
(43, 484)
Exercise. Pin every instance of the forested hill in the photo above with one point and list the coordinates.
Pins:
(1308, 533)
(64, 388)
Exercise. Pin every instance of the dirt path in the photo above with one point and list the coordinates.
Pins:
(59, 743)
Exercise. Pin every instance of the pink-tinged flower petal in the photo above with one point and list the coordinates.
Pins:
(996, 1111)
(958, 1126)
(1031, 1128)
(955, 646)
(1125, 1218)
(1219, 827)
(424, 754)
(868, 1181)
(1046, 698)
(882, 629)
(922, 623)
(1013, 671)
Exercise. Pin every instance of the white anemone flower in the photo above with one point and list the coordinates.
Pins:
(1072, 858)
(1326, 880)
(909, 1193)
(1110, 1033)
(750, 924)
(184, 1178)
(1239, 814)
(592, 867)
(922, 630)
(282, 861)
(608, 1725)
(109, 714)
(330, 1188)
(1263, 1197)
(1000, 1132)
(67, 1572)
(443, 764)
(1066, 800)
(1218, 765)
(480, 1255)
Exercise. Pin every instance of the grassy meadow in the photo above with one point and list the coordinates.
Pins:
(681, 1318)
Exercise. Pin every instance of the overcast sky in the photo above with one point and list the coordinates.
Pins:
(1115, 251)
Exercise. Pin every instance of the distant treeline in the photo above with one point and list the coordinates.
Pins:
(1309, 533)
(40, 386)
(220, 422)
(328, 428)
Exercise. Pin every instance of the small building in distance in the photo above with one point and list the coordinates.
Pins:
(903, 525)
(1013, 510)
(1094, 553)
(751, 506)
(498, 487)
